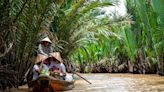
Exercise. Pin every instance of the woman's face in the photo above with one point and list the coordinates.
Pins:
(46, 43)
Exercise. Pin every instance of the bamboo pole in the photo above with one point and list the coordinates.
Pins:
(82, 77)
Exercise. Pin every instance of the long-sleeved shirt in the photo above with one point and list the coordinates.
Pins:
(60, 66)
(36, 69)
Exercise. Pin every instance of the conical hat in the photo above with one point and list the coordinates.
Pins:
(46, 39)
(57, 56)
(40, 58)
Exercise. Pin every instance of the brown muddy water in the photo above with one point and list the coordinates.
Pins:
(107, 82)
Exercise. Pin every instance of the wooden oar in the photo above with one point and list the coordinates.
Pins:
(82, 77)
(74, 72)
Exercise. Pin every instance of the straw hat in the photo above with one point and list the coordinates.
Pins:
(40, 58)
(57, 56)
(46, 39)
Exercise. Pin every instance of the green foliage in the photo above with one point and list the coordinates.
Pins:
(71, 23)
(22, 22)
(147, 27)
(158, 35)
(130, 44)
(32, 18)
(138, 36)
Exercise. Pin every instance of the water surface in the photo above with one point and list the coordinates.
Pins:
(107, 82)
(120, 83)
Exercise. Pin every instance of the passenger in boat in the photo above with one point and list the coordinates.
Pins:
(56, 66)
(39, 67)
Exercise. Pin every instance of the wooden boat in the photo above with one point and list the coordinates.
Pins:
(50, 84)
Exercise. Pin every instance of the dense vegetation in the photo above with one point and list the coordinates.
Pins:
(133, 43)
(130, 43)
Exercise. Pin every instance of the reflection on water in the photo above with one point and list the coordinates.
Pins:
(120, 83)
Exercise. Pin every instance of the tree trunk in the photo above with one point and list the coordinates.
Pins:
(130, 66)
(70, 67)
(161, 65)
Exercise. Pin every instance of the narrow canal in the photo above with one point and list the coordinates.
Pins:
(120, 83)
(102, 82)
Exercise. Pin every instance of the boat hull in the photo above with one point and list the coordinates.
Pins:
(50, 84)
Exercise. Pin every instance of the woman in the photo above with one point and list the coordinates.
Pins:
(37, 70)
(45, 47)
(56, 66)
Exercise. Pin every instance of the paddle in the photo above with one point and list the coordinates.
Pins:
(82, 77)
(74, 72)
